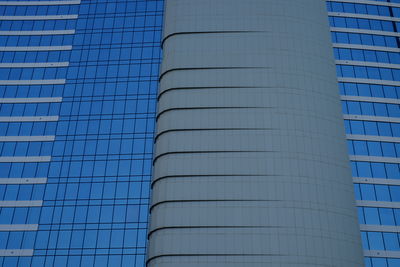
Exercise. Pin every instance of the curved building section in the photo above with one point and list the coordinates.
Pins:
(250, 165)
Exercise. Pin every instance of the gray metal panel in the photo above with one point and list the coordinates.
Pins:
(34, 65)
(54, 32)
(16, 252)
(18, 227)
(50, 17)
(39, 3)
(28, 118)
(250, 165)
(27, 138)
(25, 159)
(21, 203)
(31, 82)
(35, 48)
(31, 100)
(23, 180)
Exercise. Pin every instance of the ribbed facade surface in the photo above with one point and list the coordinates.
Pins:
(366, 45)
(250, 166)
(78, 85)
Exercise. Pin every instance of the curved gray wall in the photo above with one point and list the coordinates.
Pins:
(250, 167)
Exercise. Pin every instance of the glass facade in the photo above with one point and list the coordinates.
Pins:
(78, 87)
(367, 52)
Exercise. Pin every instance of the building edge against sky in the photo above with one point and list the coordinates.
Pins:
(250, 165)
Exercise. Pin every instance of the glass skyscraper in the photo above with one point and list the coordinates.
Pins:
(78, 98)
(367, 51)
(78, 85)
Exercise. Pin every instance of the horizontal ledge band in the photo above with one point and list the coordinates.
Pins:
(28, 118)
(21, 203)
(373, 32)
(44, 17)
(382, 254)
(367, 47)
(377, 204)
(32, 82)
(31, 100)
(35, 65)
(54, 32)
(369, 81)
(370, 99)
(166, 37)
(26, 159)
(35, 48)
(380, 228)
(363, 16)
(367, 64)
(18, 227)
(16, 252)
(373, 138)
(39, 3)
(28, 138)
(374, 159)
(369, 2)
(23, 180)
(371, 118)
(208, 68)
(380, 181)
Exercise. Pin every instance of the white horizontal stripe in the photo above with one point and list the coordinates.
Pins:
(31, 100)
(380, 228)
(25, 119)
(369, 2)
(34, 65)
(378, 204)
(50, 17)
(19, 227)
(370, 99)
(368, 81)
(25, 159)
(55, 32)
(382, 254)
(367, 47)
(373, 138)
(39, 3)
(23, 180)
(374, 159)
(31, 82)
(371, 118)
(352, 30)
(21, 203)
(29, 138)
(381, 181)
(35, 48)
(362, 16)
(367, 64)
(16, 252)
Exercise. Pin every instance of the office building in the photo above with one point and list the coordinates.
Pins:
(250, 166)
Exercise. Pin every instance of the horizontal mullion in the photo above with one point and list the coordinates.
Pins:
(34, 138)
(39, 3)
(363, 16)
(16, 252)
(379, 181)
(370, 99)
(371, 118)
(367, 47)
(374, 159)
(31, 100)
(21, 203)
(26, 159)
(367, 64)
(45, 17)
(35, 65)
(28, 118)
(354, 30)
(382, 254)
(32, 82)
(18, 227)
(23, 180)
(55, 32)
(35, 48)
(373, 138)
(368, 2)
(369, 81)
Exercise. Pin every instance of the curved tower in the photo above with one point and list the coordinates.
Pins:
(250, 166)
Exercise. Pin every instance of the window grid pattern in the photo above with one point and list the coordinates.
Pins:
(371, 103)
(94, 203)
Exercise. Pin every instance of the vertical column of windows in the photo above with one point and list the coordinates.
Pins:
(366, 48)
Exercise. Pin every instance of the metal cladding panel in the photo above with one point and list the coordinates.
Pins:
(250, 165)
